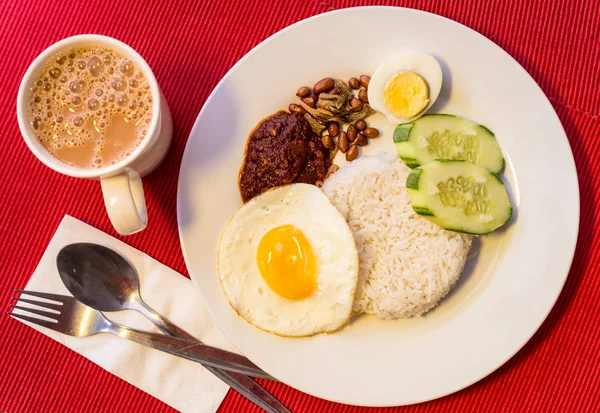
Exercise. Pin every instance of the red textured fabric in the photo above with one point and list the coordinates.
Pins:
(190, 45)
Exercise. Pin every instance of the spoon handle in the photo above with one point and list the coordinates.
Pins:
(163, 323)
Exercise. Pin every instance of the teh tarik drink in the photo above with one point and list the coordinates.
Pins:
(90, 107)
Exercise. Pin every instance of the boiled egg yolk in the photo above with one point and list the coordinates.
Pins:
(286, 262)
(406, 94)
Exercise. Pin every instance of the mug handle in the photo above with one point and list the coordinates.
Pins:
(125, 203)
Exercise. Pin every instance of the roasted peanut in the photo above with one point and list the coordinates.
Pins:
(363, 95)
(361, 140)
(294, 108)
(324, 85)
(310, 102)
(361, 125)
(354, 83)
(351, 131)
(352, 153)
(328, 142)
(303, 92)
(371, 133)
(364, 80)
(356, 105)
(343, 142)
(333, 128)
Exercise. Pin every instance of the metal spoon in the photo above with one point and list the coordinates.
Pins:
(102, 279)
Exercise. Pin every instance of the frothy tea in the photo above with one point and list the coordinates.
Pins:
(90, 107)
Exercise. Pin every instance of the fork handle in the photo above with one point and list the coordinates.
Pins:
(191, 350)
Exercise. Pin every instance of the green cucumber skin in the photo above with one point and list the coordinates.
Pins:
(402, 132)
(510, 214)
(412, 181)
(486, 129)
(438, 114)
(502, 167)
(410, 162)
(423, 211)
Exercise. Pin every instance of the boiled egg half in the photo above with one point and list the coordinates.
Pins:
(405, 86)
(288, 262)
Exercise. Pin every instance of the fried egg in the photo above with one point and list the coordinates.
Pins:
(288, 262)
(405, 86)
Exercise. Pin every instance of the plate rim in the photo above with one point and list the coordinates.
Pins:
(572, 165)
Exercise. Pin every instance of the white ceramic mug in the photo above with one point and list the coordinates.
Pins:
(121, 183)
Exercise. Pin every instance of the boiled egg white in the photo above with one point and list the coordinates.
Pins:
(288, 262)
(405, 86)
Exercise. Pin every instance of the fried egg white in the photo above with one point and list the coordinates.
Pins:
(405, 86)
(288, 262)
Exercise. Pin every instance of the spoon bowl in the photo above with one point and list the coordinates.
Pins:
(99, 277)
(102, 279)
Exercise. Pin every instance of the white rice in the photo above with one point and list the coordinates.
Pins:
(407, 263)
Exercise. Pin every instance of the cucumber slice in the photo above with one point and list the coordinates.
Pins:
(447, 137)
(459, 196)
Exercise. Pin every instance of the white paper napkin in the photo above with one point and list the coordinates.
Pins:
(182, 384)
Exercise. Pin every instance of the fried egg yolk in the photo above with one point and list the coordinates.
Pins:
(286, 262)
(406, 94)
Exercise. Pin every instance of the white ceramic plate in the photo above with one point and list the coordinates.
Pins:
(503, 296)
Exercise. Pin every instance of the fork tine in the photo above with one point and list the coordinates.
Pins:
(47, 296)
(57, 307)
(34, 320)
(36, 311)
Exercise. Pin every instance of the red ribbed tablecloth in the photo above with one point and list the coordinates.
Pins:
(190, 45)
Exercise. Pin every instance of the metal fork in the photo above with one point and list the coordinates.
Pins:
(73, 318)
